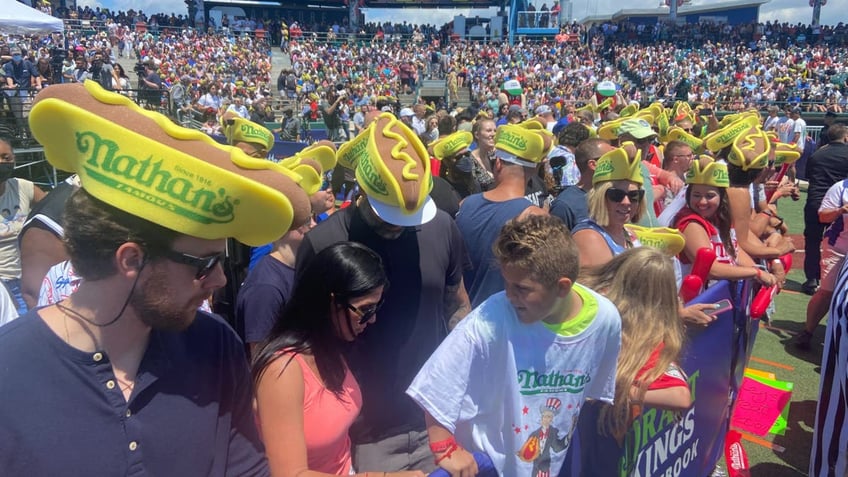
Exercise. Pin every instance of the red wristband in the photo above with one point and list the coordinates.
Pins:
(442, 446)
(453, 448)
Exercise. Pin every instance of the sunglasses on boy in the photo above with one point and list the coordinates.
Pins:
(204, 265)
(365, 314)
(618, 195)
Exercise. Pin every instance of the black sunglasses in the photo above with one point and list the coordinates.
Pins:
(204, 265)
(366, 314)
(618, 195)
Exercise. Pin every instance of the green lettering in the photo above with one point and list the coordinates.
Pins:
(154, 185)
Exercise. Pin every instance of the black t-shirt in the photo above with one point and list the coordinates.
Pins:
(262, 297)
(410, 325)
(47, 214)
(445, 196)
(826, 167)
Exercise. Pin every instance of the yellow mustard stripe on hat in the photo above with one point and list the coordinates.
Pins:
(153, 180)
(368, 152)
(750, 149)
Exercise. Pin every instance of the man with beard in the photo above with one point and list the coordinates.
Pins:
(132, 378)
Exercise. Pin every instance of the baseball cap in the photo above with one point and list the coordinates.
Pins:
(638, 128)
(15, 50)
(406, 112)
(544, 109)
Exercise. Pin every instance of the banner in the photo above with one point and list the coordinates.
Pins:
(664, 443)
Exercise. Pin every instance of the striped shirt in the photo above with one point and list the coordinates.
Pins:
(829, 457)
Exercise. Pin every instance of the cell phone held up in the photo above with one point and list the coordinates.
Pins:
(719, 308)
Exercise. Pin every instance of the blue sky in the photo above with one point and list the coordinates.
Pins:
(792, 11)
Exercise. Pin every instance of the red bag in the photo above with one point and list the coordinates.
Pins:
(735, 456)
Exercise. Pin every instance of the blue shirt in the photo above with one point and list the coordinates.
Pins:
(570, 206)
(480, 221)
(190, 412)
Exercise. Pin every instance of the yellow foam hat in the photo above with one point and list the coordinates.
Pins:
(452, 145)
(629, 110)
(706, 171)
(322, 152)
(785, 153)
(393, 168)
(242, 130)
(678, 134)
(721, 138)
(622, 163)
(520, 145)
(141, 162)
(603, 105)
(666, 239)
(535, 123)
(750, 149)
(662, 127)
(609, 129)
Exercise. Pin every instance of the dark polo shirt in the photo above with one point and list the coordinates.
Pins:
(63, 412)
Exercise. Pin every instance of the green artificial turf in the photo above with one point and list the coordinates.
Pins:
(773, 345)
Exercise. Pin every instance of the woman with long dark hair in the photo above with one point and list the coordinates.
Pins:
(306, 396)
(706, 222)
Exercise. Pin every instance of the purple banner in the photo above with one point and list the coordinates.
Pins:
(664, 443)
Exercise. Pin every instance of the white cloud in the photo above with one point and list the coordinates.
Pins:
(790, 11)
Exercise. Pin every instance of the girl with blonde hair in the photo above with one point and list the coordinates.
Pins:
(641, 283)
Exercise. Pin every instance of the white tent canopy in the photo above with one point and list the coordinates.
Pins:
(19, 19)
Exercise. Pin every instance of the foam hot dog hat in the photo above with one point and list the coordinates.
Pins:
(243, 130)
(668, 240)
(707, 171)
(393, 168)
(317, 159)
(144, 164)
(622, 163)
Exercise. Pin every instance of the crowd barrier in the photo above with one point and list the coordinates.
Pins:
(661, 443)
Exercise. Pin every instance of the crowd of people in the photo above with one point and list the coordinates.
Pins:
(492, 282)
(731, 68)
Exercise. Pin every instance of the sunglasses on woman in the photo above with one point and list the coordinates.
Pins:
(365, 314)
(618, 195)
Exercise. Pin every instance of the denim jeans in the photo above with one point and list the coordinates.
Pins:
(13, 285)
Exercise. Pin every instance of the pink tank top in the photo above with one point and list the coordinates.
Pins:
(326, 421)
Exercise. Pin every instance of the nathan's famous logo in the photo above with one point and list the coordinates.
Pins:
(533, 382)
(454, 145)
(512, 139)
(660, 443)
(248, 131)
(732, 132)
(366, 171)
(604, 168)
(720, 175)
(176, 190)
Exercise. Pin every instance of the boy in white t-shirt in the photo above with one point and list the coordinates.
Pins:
(511, 377)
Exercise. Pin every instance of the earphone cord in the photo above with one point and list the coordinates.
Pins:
(73, 313)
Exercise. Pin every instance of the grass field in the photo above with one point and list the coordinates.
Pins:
(774, 353)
